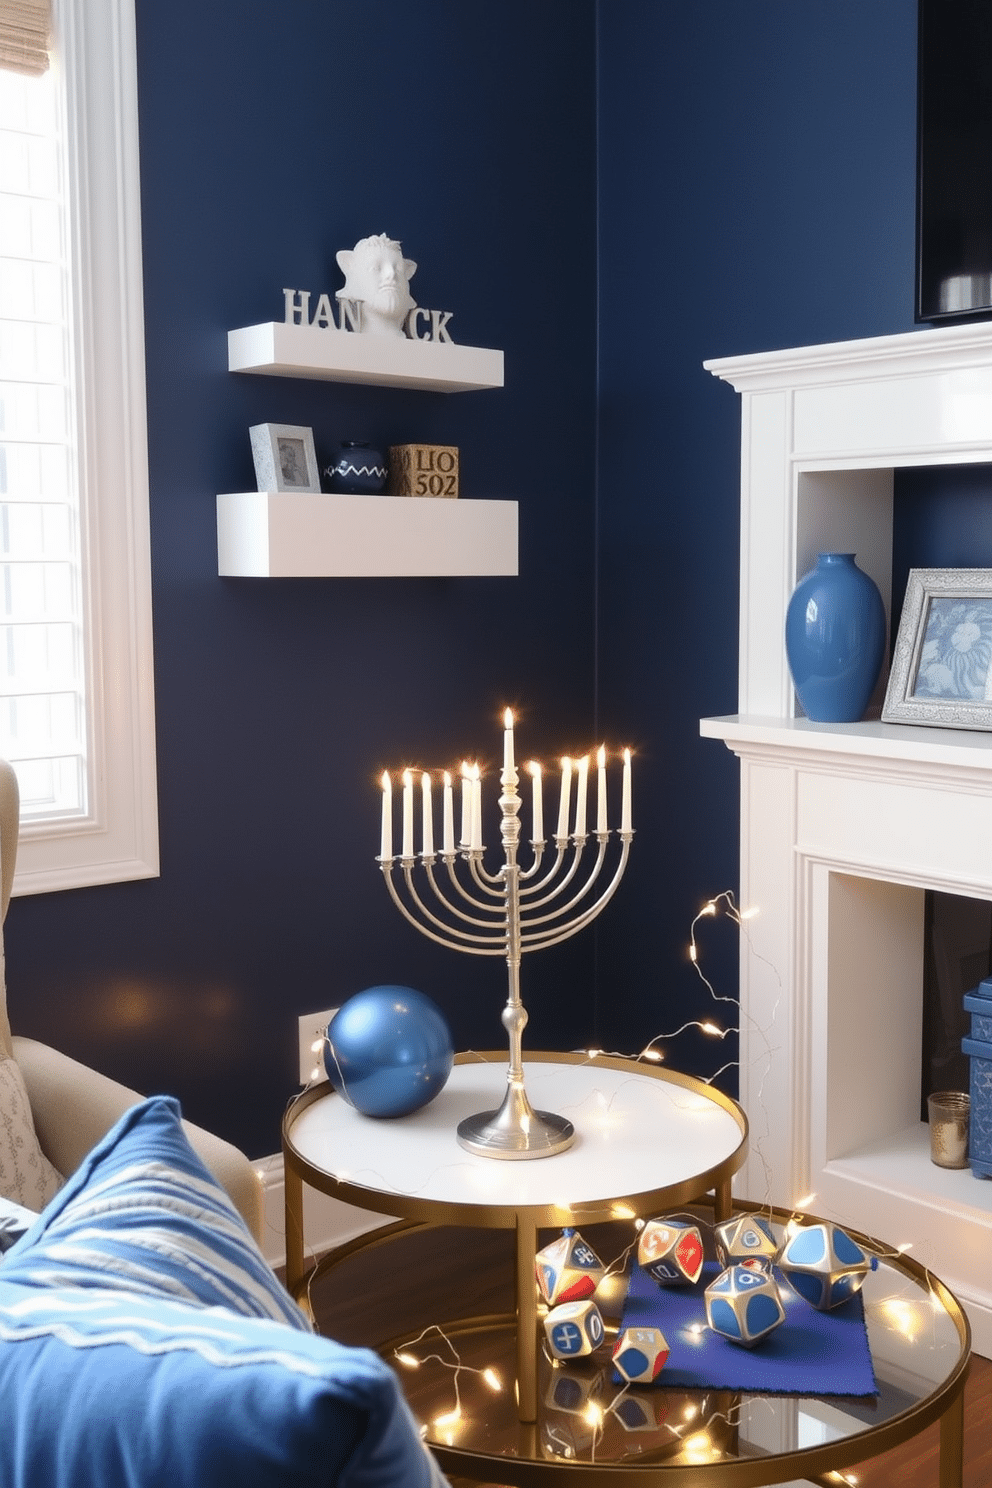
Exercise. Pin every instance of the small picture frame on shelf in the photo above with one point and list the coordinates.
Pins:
(942, 667)
(284, 458)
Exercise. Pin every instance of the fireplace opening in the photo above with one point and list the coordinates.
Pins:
(957, 955)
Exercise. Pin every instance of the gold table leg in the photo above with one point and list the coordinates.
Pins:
(952, 1443)
(722, 1202)
(293, 1188)
(526, 1320)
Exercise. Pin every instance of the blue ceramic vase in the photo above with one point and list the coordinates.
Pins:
(835, 639)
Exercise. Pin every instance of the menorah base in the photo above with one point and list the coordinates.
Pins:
(516, 1130)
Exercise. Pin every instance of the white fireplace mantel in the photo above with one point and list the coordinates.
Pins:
(844, 826)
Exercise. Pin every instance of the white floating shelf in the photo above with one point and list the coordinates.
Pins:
(276, 349)
(270, 535)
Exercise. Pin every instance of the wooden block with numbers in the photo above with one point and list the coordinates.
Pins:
(423, 470)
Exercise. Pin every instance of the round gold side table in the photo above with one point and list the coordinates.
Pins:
(647, 1139)
(573, 1419)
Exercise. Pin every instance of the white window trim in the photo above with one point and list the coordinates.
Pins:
(117, 839)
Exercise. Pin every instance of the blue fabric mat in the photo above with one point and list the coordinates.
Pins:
(811, 1353)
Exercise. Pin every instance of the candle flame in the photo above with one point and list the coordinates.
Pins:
(508, 718)
(447, 780)
(626, 756)
(534, 768)
(387, 784)
(407, 777)
(601, 756)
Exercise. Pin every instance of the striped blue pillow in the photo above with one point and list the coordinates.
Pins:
(145, 1343)
(142, 1214)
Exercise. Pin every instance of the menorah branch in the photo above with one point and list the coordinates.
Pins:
(508, 900)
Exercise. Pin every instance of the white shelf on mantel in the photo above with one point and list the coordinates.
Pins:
(899, 1164)
(273, 535)
(967, 749)
(276, 349)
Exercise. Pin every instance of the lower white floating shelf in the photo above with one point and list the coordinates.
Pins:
(272, 535)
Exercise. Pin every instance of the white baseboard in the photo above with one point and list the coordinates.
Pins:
(326, 1222)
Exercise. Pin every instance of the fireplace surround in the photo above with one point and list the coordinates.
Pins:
(845, 826)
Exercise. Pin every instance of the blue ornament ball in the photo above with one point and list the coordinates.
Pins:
(388, 1051)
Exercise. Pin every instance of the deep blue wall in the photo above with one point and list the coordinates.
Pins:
(757, 180)
(755, 174)
(271, 136)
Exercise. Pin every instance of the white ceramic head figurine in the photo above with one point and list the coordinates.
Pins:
(376, 273)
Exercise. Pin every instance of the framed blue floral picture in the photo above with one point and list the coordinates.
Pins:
(942, 665)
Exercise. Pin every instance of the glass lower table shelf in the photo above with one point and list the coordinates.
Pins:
(445, 1296)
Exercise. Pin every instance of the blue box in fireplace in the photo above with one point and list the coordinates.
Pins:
(978, 1002)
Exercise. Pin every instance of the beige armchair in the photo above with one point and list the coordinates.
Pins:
(73, 1105)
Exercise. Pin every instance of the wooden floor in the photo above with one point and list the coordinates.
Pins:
(472, 1265)
(915, 1464)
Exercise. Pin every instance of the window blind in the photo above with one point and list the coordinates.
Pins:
(24, 30)
(42, 671)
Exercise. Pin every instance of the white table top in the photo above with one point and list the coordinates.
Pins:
(635, 1133)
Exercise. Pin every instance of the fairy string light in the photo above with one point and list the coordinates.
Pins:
(742, 918)
(409, 1360)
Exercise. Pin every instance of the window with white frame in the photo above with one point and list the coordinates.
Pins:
(76, 702)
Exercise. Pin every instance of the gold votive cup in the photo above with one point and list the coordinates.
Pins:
(949, 1111)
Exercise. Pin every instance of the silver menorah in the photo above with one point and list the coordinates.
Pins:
(508, 912)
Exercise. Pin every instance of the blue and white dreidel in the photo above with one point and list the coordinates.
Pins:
(568, 1269)
(639, 1354)
(745, 1239)
(574, 1329)
(824, 1265)
(743, 1304)
(671, 1251)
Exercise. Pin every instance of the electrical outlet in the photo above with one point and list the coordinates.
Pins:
(312, 1026)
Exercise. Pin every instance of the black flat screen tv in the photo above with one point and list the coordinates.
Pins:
(954, 161)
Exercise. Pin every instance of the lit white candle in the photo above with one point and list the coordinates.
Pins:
(476, 806)
(508, 763)
(538, 829)
(580, 796)
(601, 796)
(466, 805)
(428, 844)
(407, 814)
(625, 803)
(386, 845)
(449, 815)
(566, 790)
